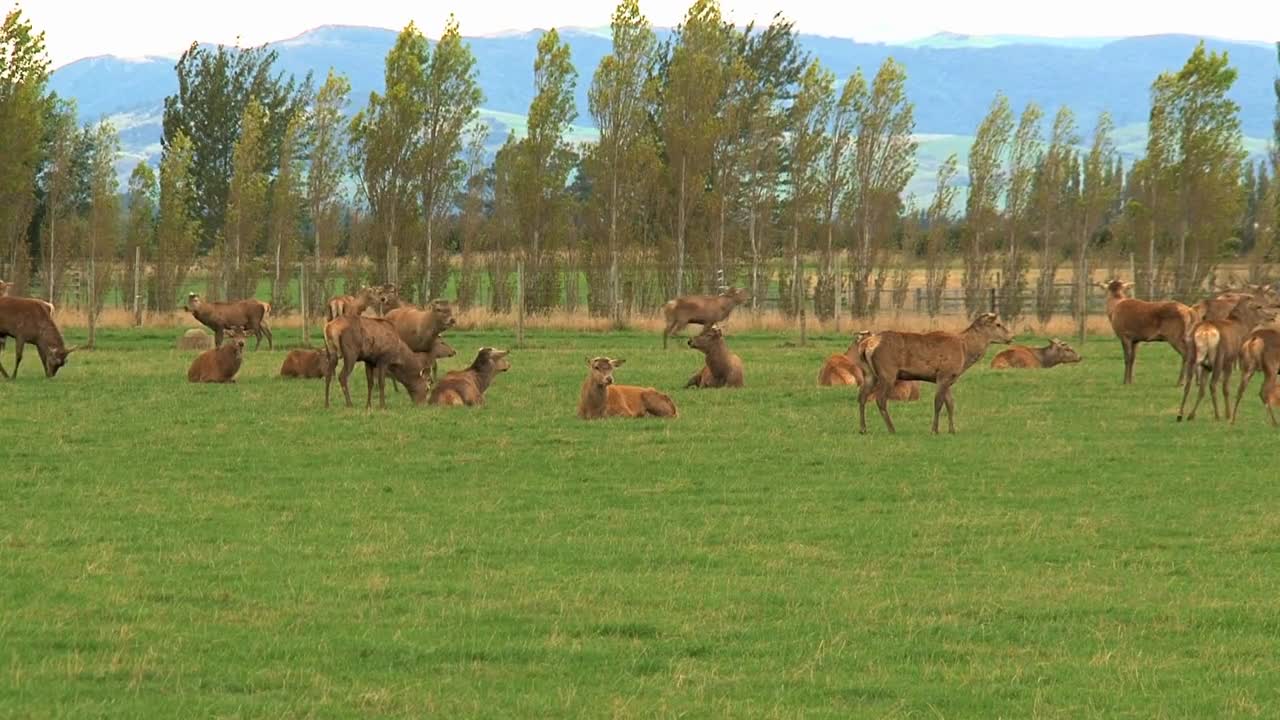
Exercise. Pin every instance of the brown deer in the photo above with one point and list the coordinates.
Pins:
(373, 341)
(28, 320)
(1139, 321)
(844, 369)
(723, 368)
(467, 387)
(601, 398)
(430, 359)
(1261, 351)
(418, 328)
(1021, 356)
(704, 310)
(1216, 348)
(353, 304)
(936, 357)
(1219, 307)
(220, 364)
(304, 364)
(6, 289)
(249, 314)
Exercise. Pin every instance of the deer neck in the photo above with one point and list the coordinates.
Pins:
(594, 397)
(718, 356)
(1046, 356)
(976, 343)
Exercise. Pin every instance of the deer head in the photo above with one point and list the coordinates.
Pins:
(707, 339)
(1065, 353)
(602, 370)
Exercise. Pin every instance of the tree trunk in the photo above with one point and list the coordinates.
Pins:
(680, 230)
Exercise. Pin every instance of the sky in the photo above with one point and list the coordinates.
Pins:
(133, 28)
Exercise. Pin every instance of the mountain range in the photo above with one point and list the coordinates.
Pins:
(952, 79)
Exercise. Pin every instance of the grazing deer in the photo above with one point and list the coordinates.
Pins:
(601, 398)
(1261, 351)
(28, 320)
(1021, 356)
(723, 368)
(220, 364)
(704, 310)
(374, 342)
(936, 357)
(467, 387)
(1216, 348)
(249, 314)
(844, 369)
(1139, 321)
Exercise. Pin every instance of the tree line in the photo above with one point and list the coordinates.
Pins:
(725, 155)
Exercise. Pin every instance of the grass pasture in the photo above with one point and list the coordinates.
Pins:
(169, 550)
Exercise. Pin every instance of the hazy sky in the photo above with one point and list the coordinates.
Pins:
(79, 28)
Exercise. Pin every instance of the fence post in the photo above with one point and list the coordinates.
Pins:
(302, 303)
(615, 295)
(520, 303)
(804, 301)
(993, 300)
(1082, 283)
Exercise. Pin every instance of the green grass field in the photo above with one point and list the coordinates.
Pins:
(169, 550)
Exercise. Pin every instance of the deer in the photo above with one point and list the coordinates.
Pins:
(601, 398)
(373, 341)
(304, 364)
(249, 314)
(6, 289)
(28, 320)
(1261, 351)
(419, 328)
(936, 357)
(1216, 346)
(220, 364)
(430, 359)
(1219, 307)
(704, 310)
(1020, 356)
(723, 368)
(844, 369)
(467, 387)
(1139, 321)
(353, 304)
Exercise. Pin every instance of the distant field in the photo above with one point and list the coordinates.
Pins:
(170, 550)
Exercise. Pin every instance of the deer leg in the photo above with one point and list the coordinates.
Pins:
(939, 399)
(369, 371)
(2, 371)
(1226, 394)
(1214, 375)
(1130, 360)
(1186, 391)
(1245, 377)
(863, 393)
(1202, 378)
(347, 367)
(1186, 354)
(271, 345)
(257, 336)
(882, 402)
(951, 410)
(382, 387)
(17, 355)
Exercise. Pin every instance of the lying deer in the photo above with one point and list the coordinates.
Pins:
(1261, 351)
(467, 387)
(1021, 356)
(220, 364)
(600, 397)
(304, 364)
(844, 369)
(936, 357)
(723, 368)
(1216, 350)
(704, 310)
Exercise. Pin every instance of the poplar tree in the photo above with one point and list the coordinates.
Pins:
(1048, 197)
(806, 144)
(986, 184)
(104, 218)
(65, 154)
(327, 131)
(1023, 156)
(620, 102)
(246, 212)
(140, 232)
(24, 75)
(284, 211)
(939, 219)
(177, 229)
(449, 98)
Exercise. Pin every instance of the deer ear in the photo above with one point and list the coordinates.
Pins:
(70, 350)
(617, 363)
(1128, 286)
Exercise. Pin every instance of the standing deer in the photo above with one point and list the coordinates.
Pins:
(374, 342)
(1261, 351)
(353, 304)
(249, 314)
(936, 357)
(28, 320)
(1216, 348)
(704, 310)
(1139, 321)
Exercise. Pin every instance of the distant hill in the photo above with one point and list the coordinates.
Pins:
(951, 78)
